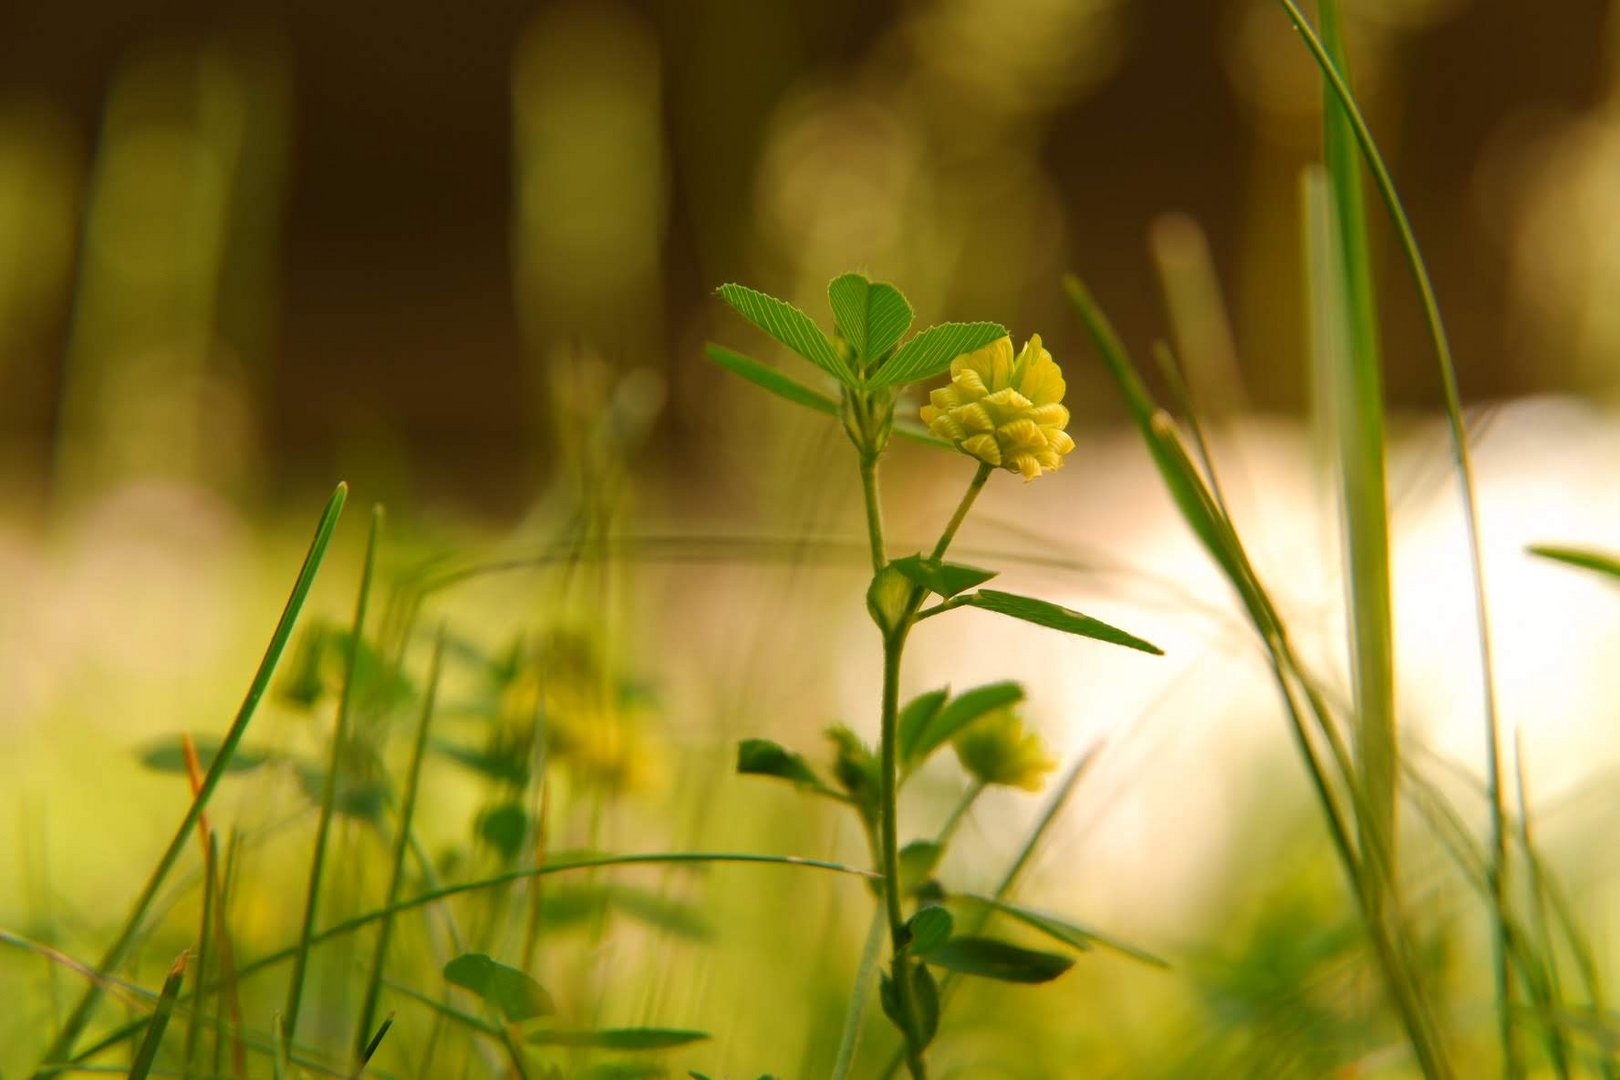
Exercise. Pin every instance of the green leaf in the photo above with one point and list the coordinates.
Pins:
(961, 711)
(855, 767)
(1066, 931)
(638, 1038)
(504, 828)
(932, 351)
(916, 716)
(513, 993)
(1045, 613)
(768, 378)
(507, 762)
(1583, 558)
(871, 316)
(569, 905)
(993, 959)
(166, 755)
(762, 757)
(623, 1070)
(789, 326)
(925, 995)
(946, 579)
(929, 929)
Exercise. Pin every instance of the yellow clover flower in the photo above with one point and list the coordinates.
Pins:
(1006, 412)
(996, 749)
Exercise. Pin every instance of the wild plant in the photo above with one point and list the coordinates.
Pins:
(1005, 411)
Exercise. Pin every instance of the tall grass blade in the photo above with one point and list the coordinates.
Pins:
(1339, 87)
(407, 813)
(1352, 409)
(340, 731)
(195, 1017)
(62, 1046)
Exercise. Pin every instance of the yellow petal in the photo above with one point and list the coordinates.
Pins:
(984, 448)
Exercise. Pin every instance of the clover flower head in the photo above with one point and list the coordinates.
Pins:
(996, 749)
(1006, 411)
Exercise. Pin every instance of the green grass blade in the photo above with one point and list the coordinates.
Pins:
(62, 1046)
(340, 730)
(195, 1017)
(407, 814)
(1582, 558)
(1373, 158)
(1352, 409)
(146, 1054)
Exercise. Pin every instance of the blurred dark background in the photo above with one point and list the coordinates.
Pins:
(255, 244)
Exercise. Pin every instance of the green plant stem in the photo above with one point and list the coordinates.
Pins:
(874, 510)
(975, 486)
(889, 840)
(958, 812)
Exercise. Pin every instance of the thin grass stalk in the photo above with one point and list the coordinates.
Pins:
(396, 875)
(849, 1038)
(323, 828)
(62, 1046)
(1558, 1047)
(1457, 427)
(195, 1016)
(1350, 369)
(141, 1067)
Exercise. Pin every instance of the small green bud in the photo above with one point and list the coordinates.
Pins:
(888, 598)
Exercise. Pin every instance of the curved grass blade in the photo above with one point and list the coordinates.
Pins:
(1374, 160)
(340, 730)
(62, 1046)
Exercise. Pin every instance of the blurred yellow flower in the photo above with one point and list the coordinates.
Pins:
(996, 749)
(1006, 412)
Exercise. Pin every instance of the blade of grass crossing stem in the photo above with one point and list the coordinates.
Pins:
(396, 878)
(323, 828)
(1339, 87)
(196, 1015)
(1352, 409)
(146, 1054)
(62, 1046)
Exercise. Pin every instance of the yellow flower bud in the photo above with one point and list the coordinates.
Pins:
(1006, 412)
(997, 750)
